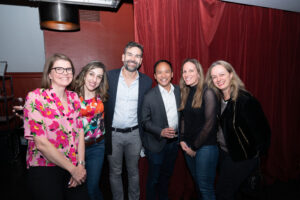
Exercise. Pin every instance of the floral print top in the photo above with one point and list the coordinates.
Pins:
(44, 115)
(92, 112)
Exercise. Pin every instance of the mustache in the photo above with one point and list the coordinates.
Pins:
(131, 61)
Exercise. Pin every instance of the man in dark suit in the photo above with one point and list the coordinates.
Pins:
(160, 120)
(127, 87)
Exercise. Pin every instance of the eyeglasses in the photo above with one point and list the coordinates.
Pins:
(60, 70)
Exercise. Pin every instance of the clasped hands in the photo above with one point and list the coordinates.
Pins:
(78, 176)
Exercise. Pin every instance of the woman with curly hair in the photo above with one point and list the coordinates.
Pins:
(91, 85)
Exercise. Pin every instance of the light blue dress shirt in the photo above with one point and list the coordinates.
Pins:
(126, 107)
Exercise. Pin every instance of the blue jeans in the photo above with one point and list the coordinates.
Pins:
(203, 169)
(94, 156)
(160, 170)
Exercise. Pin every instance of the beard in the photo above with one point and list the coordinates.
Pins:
(131, 69)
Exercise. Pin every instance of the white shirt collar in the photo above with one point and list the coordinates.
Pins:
(121, 74)
(163, 90)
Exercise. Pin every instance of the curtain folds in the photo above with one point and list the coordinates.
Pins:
(262, 44)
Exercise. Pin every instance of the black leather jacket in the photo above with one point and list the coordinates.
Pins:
(245, 127)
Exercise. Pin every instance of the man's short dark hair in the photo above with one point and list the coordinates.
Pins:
(134, 44)
(162, 61)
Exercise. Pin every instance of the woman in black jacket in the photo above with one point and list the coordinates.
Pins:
(244, 132)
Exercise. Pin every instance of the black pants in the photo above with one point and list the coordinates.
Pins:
(232, 174)
(50, 183)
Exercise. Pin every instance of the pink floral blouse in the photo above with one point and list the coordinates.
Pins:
(44, 115)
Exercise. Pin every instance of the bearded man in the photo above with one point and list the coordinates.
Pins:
(127, 87)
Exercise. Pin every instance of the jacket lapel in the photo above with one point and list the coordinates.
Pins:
(160, 103)
(114, 85)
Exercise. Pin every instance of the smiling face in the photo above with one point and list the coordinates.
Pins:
(221, 78)
(190, 74)
(163, 75)
(132, 59)
(63, 79)
(93, 79)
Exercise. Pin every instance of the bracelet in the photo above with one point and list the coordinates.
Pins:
(81, 162)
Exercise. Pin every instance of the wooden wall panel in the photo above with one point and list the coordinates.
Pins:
(25, 82)
(22, 84)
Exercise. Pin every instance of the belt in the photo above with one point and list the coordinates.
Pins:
(124, 130)
(93, 141)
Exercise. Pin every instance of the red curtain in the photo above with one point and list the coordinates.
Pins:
(262, 44)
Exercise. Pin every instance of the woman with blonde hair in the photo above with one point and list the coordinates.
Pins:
(244, 131)
(91, 85)
(199, 107)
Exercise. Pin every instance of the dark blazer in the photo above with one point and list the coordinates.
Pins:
(248, 133)
(154, 119)
(145, 84)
